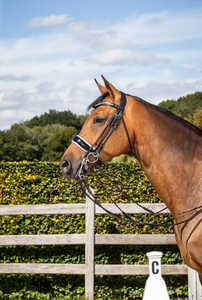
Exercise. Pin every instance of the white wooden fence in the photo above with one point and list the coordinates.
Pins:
(89, 269)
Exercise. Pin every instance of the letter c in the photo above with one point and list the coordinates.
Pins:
(155, 270)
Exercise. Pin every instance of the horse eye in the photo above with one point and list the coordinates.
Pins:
(98, 120)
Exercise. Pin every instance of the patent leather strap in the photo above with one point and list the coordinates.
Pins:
(81, 143)
(107, 104)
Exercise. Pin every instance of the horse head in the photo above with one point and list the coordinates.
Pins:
(102, 137)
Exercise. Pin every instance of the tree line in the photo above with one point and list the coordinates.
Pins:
(43, 138)
(188, 107)
(184, 106)
(46, 137)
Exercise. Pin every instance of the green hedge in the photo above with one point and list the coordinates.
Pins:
(42, 183)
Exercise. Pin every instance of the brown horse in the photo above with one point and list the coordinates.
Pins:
(168, 148)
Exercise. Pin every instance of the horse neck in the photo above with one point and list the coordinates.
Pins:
(169, 151)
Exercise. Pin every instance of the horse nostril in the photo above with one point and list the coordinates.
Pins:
(65, 165)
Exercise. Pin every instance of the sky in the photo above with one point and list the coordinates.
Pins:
(51, 51)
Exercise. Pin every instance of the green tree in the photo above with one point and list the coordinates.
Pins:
(58, 144)
(42, 136)
(65, 118)
(196, 119)
(19, 144)
(82, 119)
(2, 141)
(33, 122)
(24, 143)
(169, 105)
(184, 105)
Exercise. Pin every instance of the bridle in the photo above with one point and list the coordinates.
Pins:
(91, 156)
(92, 153)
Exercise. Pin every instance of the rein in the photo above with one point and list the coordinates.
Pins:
(91, 156)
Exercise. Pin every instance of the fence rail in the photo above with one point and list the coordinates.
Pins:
(80, 269)
(78, 208)
(100, 239)
(89, 239)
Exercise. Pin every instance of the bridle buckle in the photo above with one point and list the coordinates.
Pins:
(84, 163)
(95, 156)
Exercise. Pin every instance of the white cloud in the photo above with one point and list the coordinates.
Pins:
(157, 91)
(17, 96)
(46, 87)
(83, 92)
(14, 116)
(81, 26)
(162, 27)
(36, 47)
(56, 70)
(116, 44)
(126, 57)
(10, 78)
(193, 68)
(48, 21)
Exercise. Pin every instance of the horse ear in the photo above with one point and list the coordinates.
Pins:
(114, 93)
(102, 89)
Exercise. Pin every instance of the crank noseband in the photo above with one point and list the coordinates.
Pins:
(91, 156)
(81, 143)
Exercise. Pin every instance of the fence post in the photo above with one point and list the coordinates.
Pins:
(194, 285)
(89, 249)
(155, 288)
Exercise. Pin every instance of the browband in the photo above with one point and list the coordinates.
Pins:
(106, 103)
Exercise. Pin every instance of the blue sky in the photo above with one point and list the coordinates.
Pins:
(51, 51)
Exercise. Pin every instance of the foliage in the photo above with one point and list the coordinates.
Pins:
(2, 140)
(171, 105)
(42, 183)
(123, 158)
(58, 143)
(31, 140)
(196, 119)
(18, 142)
(24, 143)
(184, 105)
(65, 118)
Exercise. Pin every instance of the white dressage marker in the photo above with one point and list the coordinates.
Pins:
(195, 288)
(155, 288)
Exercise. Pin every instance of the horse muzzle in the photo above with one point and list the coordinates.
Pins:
(75, 170)
(66, 167)
(80, 168)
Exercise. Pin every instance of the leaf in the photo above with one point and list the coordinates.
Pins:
(27, 221)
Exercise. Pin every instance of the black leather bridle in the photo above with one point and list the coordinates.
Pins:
(92, 153)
